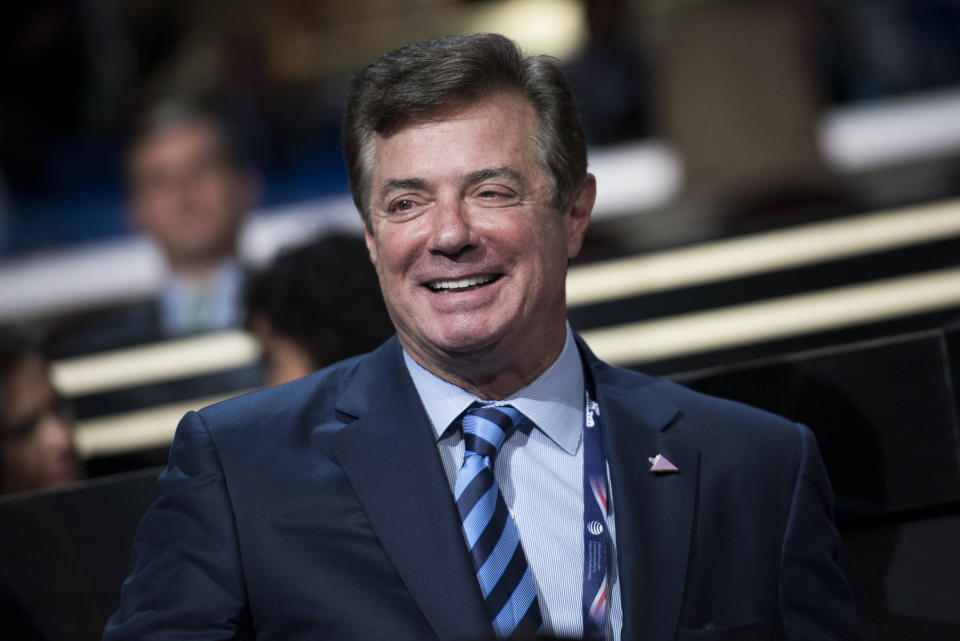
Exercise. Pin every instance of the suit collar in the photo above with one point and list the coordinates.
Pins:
(390, 457)
(368, 384)
(655, 412)
(654, 513)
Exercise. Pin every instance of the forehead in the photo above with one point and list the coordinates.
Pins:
(179, 142)
(496, 132)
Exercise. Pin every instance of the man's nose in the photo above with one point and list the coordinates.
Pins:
(452, 232)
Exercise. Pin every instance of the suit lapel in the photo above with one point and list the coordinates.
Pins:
(390, 456)
(654, 513)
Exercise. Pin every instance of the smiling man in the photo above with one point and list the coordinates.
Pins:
(482, 474)
(470, 248)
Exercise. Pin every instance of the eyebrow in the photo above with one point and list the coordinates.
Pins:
(495, 172)
(416, 184)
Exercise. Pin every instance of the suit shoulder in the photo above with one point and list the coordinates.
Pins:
(729, 427)
(694, 401)
(739, 439)
(709, 417)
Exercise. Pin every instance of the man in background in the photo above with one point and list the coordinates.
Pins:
(190, 188)
(36, 428)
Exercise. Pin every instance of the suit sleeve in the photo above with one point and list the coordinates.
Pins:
(815, 600)
(186, 579)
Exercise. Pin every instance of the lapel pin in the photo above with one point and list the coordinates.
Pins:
(659, 463)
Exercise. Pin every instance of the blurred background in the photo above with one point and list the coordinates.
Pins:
(778, 221)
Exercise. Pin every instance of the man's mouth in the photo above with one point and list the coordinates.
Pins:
(462, 284)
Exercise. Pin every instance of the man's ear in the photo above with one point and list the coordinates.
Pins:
(580, 210)
(371, 246)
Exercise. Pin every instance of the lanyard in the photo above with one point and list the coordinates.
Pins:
(594, 519)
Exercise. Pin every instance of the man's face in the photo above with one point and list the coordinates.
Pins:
(470, 253)
(36, 442)
(186, 194)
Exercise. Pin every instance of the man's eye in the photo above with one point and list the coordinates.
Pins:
(402, 205)
(495, 197)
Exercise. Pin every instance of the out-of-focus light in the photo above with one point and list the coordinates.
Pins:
(774, 319)
(635, 177)
(154, 363)
(554, 27)
(762, 253)
(88, 276)
(136, 430)
(891, 132)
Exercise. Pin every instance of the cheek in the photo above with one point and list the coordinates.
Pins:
(550, 264)
(395, 250)
(544, 244)
(219, 199)
(388, 272)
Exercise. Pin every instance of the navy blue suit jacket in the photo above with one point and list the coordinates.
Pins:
(320, 510)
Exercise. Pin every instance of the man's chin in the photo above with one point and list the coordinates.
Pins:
(457, 344)
(470, 338)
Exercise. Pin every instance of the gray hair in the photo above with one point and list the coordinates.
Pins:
(424, 81)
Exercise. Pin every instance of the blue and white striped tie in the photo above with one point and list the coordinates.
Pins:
(505, 579)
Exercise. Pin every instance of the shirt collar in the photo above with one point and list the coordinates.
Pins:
(219, 295)
(554, 401)
(226, 275)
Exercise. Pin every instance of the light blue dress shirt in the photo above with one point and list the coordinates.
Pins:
(188, 307)
(540, 473)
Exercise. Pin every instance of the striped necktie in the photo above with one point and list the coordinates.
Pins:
(491, 534)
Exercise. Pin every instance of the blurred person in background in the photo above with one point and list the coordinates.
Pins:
(36, 428)
(190, 188)
(315, 305)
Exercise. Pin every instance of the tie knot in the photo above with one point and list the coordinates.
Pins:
(486, 427)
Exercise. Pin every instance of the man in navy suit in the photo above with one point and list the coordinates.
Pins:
(325, 508)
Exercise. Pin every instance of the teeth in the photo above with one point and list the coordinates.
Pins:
(462, 283)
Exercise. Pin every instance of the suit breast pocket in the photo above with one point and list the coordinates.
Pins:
(755, 631)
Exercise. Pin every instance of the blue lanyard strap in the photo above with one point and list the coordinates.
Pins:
(594, 520)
